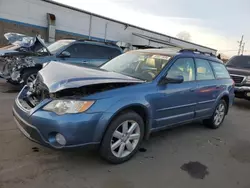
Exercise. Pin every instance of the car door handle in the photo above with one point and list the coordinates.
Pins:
(192, 89)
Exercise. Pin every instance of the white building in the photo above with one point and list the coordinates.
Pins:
(31, 17)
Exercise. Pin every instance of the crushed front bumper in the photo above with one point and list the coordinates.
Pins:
(41, 126)
(28, 130)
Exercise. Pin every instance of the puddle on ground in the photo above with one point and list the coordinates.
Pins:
(35, 149)
(195, 169)
(241, 151)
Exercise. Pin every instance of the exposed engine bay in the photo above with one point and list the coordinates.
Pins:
(12, 65)
(38, 92)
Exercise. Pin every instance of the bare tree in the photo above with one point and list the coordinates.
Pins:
(184, 35)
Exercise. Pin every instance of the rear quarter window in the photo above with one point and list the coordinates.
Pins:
(220, 70)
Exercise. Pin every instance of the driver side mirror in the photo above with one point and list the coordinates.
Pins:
(173, 80)
(64, 54)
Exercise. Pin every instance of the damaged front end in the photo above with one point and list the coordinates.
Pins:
(12, 66)
(19, 55)
(73, 82)
(39, 92)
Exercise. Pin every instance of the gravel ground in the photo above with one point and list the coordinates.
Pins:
(187, 156)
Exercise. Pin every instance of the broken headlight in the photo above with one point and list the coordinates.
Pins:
(61, 107)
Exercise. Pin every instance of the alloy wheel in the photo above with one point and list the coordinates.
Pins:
(125, 138)
(219, 114)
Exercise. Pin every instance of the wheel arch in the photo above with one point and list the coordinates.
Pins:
(138, 108)
(226, 99)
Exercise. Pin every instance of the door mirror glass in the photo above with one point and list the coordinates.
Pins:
(64, 54)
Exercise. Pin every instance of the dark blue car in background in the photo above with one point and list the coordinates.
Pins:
(119, 104)
(21, 67)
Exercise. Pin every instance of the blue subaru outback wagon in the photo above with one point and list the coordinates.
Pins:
(119, 104)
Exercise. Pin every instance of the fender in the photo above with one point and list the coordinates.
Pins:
(118, 107)
(223, 94)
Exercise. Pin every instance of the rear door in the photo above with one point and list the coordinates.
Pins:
(99, 54)
(223, 79)
(207, 88)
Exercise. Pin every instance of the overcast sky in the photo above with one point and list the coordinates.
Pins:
(215, 23)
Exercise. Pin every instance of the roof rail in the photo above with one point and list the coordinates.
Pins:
(197, 51)
(91, 40)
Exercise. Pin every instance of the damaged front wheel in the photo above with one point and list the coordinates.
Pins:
(29, 76)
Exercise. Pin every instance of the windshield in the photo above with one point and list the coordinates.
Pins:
(53, 48)
(144, 66)
(239, 61)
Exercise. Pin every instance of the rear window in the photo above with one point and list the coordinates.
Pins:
(239, 61)
(91, 51)
(220, 70)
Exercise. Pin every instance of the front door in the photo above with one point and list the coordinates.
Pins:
(77, 55)
(177, 102)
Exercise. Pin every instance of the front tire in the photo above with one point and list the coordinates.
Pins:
(122, 138)
(29, 76)
(218, 116)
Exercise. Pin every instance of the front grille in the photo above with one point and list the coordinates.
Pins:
(237, 78)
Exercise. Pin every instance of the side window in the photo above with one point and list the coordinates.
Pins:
(220, 70)
(183, 67)
(203, 70)
(76, 50)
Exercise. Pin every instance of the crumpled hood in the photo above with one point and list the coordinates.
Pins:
(58, 76)
(18, 39)
(239, 71)
(25, 43)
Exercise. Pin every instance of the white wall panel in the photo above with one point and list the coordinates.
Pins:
(34, 12)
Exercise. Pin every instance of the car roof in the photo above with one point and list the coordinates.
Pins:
(112, 45)
(181, 53)
(163, 51)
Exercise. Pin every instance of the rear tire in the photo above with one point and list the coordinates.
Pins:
(218, 116)
(29, 76)
(120, 143)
